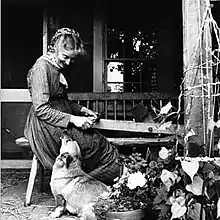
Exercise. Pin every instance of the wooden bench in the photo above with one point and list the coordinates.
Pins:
(117, 116)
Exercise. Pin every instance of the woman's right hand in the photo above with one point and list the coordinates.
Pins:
(81, 122)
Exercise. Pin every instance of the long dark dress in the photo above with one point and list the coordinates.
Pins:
(50, 114)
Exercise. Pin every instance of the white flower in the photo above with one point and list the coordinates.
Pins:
(116, 185)
(181, 200)
(163, 153)
(168, 178)
(177, 210)
(178, 197)
(136, 179)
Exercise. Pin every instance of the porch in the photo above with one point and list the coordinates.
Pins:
(94, 88)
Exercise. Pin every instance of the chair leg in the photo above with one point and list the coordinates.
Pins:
(31, 180)
(41, 172)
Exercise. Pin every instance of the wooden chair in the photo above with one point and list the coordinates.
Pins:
(22, 142)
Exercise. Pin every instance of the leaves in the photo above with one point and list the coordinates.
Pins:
(190, 167)
(161, 195)
(168, 178)
(163, 210)
(194, 211)
(196, 187)
(218, 208)
(165, 109)
(212, 124)
(217, 124)
(165, 126)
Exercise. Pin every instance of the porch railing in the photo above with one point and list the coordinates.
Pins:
(118, 106)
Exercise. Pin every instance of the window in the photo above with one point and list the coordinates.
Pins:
(140, 47)
(130, 55)
(21, 42)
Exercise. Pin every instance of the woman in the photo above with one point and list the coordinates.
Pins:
(52, 112)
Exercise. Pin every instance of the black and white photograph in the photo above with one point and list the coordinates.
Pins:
(110, 110)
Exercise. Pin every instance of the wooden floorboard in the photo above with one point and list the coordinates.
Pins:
(16, 164)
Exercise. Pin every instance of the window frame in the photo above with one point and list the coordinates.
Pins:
(100, 50)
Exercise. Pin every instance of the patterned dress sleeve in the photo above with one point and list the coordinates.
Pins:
(76, 108)
(40, 94)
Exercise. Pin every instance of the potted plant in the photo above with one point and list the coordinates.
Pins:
(133, 193)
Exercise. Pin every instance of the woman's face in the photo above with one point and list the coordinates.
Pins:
(64, 52)
(64, 58)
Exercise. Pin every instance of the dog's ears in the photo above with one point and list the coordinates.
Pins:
(69, 159)
(65, 159)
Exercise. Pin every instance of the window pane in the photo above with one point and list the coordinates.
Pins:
(131, 76)
(131, 43)
(115, 42)
(115, 75)
(144, 44)
(137, 76)
(115, 87)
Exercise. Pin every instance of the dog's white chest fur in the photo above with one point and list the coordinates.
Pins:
(69, 187)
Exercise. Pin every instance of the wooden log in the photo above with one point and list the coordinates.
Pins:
(140, 141)
(131, 126)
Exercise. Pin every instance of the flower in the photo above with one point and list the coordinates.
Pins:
(135, 180)
(164, 153)
(168, 178)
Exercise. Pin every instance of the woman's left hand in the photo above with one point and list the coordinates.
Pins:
(89, 113)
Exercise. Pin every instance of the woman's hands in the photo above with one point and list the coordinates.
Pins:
(86, 121)
(89, 113)
(81, 121)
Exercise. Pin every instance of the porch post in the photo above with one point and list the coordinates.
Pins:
(98, 76)
(45, 31)
(196, 51)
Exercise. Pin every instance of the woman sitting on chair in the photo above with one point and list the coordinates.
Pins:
(52, 112)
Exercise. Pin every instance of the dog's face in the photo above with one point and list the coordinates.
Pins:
(64, 160)
(70, 146)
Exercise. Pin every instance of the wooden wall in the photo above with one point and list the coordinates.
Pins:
(12, 126)
(22, 45)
